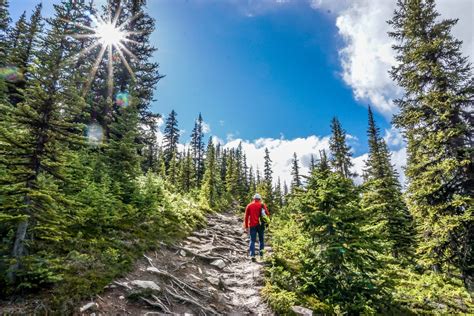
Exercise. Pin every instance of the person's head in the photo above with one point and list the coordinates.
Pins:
(257, 197)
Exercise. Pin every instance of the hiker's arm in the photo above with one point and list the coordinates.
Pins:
(266, 210)
(246, 217)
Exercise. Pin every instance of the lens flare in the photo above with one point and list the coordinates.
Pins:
(95, 134)
(11, 74)
(122, 99)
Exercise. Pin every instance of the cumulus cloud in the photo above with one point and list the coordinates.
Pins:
(367, 54)
(206, 128)
(281, 152)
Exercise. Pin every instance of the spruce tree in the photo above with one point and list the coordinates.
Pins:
(171, 137)
(436, 119)
(211, 189)
(197, 147)
(340, 151)
(312, 164)
(268, 180)
(295, 173)
(382, 198)
(341, 265)
(278, 195)
(186, 172)
(4, 25)
(34, 153)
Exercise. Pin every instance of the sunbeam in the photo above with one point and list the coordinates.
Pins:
(111, 37)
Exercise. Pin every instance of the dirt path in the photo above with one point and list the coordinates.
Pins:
(207, 273)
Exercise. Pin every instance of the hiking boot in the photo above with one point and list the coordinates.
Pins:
(253, 259)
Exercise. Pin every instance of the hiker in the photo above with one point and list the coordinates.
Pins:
(256, 215)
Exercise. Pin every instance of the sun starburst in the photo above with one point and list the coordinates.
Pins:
(110, 37)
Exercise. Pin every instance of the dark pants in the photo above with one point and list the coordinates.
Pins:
(254, 231)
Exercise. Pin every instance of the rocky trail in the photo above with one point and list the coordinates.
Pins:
(207, 273)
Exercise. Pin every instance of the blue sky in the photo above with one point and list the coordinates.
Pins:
(272, 73)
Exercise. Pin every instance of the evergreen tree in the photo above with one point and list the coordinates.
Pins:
(197, 147)
(267, 192)
(170, 138)
(312, 164)
(323, 160)
(34, 154)
(172, 170)
(211, 190)
(341, 265)
(278, 195)
(340, 151)
(4, 24)
(295, 173)
(382, 198)
(186, 172)
(436, 119)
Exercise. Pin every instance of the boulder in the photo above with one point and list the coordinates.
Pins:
(218, 263)
(146, 284)
(302, 311)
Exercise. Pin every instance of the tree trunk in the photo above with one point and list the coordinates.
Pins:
(18, 249)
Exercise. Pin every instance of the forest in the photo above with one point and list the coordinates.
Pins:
(87, 188)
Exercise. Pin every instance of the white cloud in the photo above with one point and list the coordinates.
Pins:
(367, 55)
(281, 153)
(206, 128)
(394, 138)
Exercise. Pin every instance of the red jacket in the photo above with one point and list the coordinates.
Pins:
(252, 213)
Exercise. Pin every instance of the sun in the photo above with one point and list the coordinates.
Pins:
(109, 36)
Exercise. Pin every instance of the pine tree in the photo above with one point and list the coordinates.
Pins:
(312, 164)
(172, 170)
(268, 180)
(341, 265)
(186, 172)
(436, 119)
(35, 152)
(171, 137)
(278, 195)
(211, 190)
(323, 160)
(197, 147)
(340, 151)
(382, 198)
(295, 173)
(4, 24)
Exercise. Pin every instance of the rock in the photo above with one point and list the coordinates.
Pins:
(302, 311)
(218, 263)
(88, 306)
(194, 239)
(121, 297)
(182, 253)
(194, 277)
(146, 284)
(213, 280)
(152, 269)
